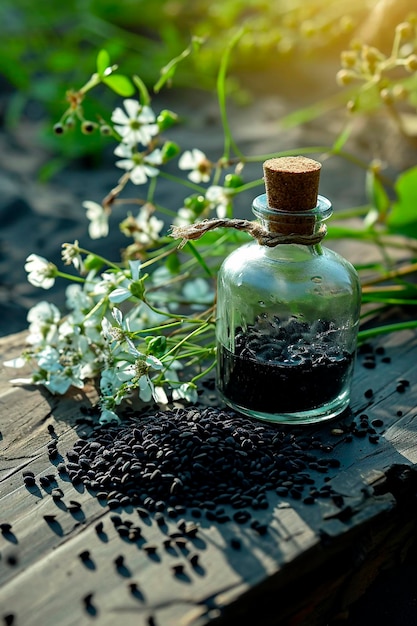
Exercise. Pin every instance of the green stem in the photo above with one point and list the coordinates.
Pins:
(364, 335)
(221, 95)
(204, 372)
(100, 258)
(76, 279)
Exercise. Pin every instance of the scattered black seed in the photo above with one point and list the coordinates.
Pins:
(178, 568)
(181, 542)
(150, 549)
(51, 429)
(194, 559)
(235, 543)
(368, 393)
(309, 500)
(5, 527)
(99, 527)
(29, 481)
(85, 555)
(44, 481)
(399, 413)
(28, 473)
(373, 438)
(377, 423)
(386, 359)
(400, 387)
(241, 517)
(9, 619)
(49, 518)
(119, 561)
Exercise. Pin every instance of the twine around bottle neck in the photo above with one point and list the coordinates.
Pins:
(262, 235)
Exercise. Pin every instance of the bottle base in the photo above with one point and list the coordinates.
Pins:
(313, 416)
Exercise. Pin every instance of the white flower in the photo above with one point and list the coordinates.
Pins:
(138, 164)
(148, 227)
(136, 123)
(44, 313)
(196, 161)
(186, 391)
(184, 217)
(219, 198)
(16, 363)
(99, 219)
(41, 273)
(43, 321)
(48, 359)
(71, 254)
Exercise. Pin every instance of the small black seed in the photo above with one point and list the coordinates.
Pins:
(178, 568)
(99, 527)
(119, 561)
(9, 619)
(5, 527)
(368, 393)
(377, 423)
(85, 555)
(49, 518)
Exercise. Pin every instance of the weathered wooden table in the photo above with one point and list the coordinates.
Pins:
(312, 562)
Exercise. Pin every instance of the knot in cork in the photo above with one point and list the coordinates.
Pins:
(292, 183)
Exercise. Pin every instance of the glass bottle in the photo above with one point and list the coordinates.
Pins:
(287, 309)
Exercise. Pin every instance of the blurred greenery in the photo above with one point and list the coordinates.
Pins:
(42, 52)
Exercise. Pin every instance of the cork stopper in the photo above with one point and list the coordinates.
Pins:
(292, 183)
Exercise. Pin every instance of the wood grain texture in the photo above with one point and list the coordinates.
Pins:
(312, 563)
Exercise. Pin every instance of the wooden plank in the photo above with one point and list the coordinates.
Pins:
(320, 549)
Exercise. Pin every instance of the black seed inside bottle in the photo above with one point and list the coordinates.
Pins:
(283, 371)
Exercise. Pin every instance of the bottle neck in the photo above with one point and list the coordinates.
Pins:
(305, 224)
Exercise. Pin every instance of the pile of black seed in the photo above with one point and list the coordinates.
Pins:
(202, 458)
(284, 367)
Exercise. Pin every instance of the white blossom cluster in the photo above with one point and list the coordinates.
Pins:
(125, 349)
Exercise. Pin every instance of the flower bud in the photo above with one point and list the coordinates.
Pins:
(196, 203)
(88, 127)
(169, 150)
(345, 77)
(348, 58)
(386, 96)
(59, 129)
(232, 181)
(166, 119)
(410, 63)
(105, 130)
(92, 262)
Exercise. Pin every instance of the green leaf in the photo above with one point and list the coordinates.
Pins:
(120, 84)
(341, 139)
(103, 62)
(377, 196)
(403, 216)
